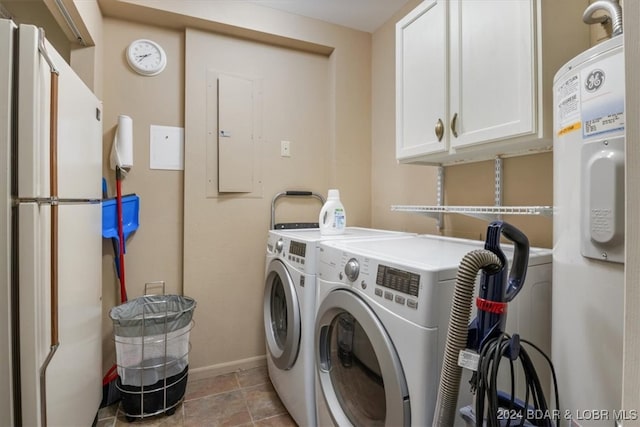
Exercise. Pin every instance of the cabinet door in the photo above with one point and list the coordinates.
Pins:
(492, 70)
(421, 80)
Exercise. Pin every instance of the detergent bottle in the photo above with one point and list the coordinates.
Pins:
(333, 217)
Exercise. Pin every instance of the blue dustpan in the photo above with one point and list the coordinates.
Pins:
(130, 217)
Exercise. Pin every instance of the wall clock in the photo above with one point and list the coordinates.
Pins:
(146, 57)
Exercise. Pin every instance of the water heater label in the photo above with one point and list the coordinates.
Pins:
(568, 106)
(592, 100)
(602, 96)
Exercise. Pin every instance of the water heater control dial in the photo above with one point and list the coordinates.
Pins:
(352, 269)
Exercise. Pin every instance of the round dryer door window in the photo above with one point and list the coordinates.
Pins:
(282, 320)
(360, 373)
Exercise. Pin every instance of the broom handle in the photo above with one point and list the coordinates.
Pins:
(123, 287)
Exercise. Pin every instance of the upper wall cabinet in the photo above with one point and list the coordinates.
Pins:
(474, 78)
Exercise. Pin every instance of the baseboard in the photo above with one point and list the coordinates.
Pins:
(227, 367)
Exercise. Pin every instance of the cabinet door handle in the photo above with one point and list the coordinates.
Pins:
(439, 129)
(453, 125)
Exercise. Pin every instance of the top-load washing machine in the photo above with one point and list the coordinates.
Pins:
(383, 314)
(289, 312)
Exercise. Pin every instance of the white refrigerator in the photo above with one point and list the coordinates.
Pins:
(50, 244)
(588, 234)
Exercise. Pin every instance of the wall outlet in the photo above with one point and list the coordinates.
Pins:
(285, 149)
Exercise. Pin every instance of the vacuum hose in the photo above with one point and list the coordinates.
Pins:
(449, 385)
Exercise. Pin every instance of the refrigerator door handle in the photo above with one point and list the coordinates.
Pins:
(57, 201)
(43, 51)
(53, 190)
(63, 201)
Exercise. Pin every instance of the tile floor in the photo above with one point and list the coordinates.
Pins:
(242, 398)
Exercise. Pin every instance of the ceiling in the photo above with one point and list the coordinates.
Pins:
(363, 15)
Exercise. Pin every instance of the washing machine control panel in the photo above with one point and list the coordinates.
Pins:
(403, 291)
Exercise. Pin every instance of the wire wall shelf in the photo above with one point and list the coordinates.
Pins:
(488, 213)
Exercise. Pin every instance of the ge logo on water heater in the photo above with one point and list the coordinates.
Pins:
(595, 80)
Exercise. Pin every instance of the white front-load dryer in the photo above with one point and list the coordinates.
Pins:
(289, 312)
(381, 324)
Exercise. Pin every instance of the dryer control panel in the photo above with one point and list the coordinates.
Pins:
(297, 248)
(398, 280)
(297, 254)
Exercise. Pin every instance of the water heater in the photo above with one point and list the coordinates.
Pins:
(589, 101)
(588, 232)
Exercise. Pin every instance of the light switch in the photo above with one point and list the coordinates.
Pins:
(285, 148)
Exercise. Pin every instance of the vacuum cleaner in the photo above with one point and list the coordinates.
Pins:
(481, 345)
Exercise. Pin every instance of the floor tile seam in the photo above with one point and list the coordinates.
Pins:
(237, 377)
(212, 394)
(274, 416)
(106, 417)
(246, 405)
(252, 386)
(184, 412)
(244, 395)
(113, 420)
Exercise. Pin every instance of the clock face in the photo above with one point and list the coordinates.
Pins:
(146, 57)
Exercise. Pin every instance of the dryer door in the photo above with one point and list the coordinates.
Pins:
(358, 368)
(282, 321)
